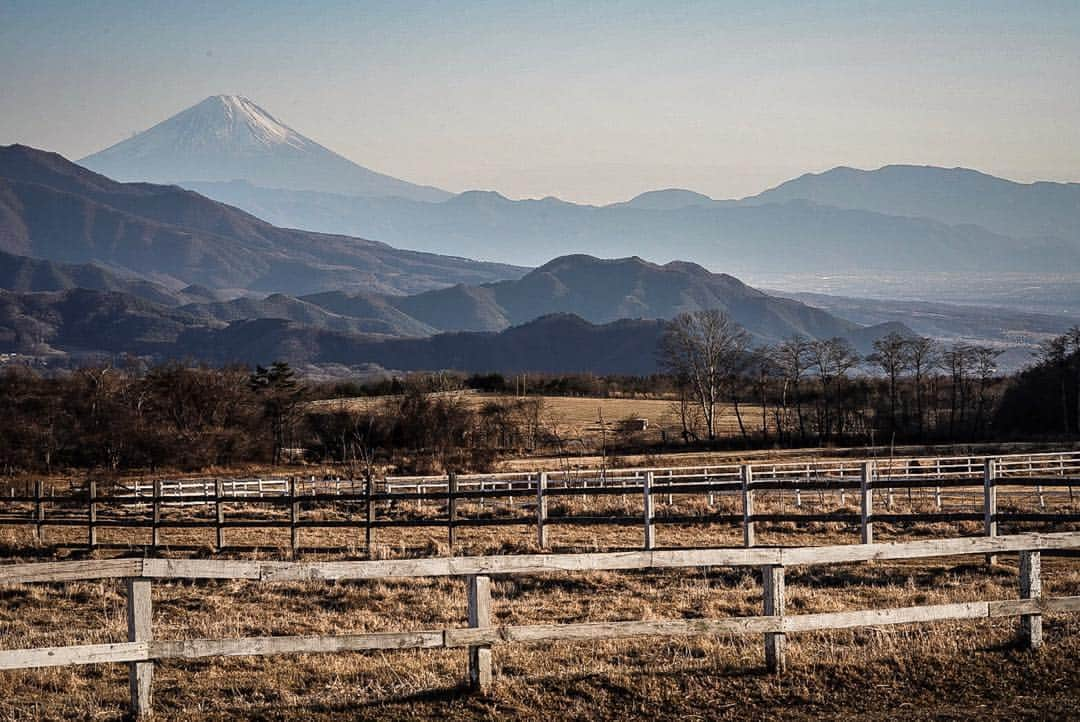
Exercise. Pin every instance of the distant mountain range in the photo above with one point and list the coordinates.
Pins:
(957, 196)
(89, 265)
(751, 235)
(53, 209)
(92, 266)
(896, 218)
(228, 136)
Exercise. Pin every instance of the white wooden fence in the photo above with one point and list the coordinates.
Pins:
(142, 649)
(522, 499)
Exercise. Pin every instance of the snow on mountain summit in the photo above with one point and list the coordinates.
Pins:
(230, 137)
(232, 119)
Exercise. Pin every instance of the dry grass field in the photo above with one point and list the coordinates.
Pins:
(575, 417)
(945, 670)
(949, 670)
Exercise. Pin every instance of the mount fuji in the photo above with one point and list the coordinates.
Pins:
(228, 137)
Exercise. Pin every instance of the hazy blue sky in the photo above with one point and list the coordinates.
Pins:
(590, 101)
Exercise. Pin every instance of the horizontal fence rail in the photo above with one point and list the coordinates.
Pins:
(958, 489)
(141, 649)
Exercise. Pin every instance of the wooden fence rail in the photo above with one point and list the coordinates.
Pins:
(361, 505)
(141, 649)
(369, 501)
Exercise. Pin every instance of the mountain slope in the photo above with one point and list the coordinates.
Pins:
(280, 306)
(606, 290)
(750, 236)
(82, 321)
(228, 136)
(53, 209)
(25, 275)
(623, 347)
(95, 324)
(951, 195)
(371, 306)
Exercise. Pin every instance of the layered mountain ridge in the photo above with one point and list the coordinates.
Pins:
(54, 209)
(765, 233)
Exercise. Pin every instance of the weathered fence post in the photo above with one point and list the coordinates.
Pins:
(451, 509)
(294, 517)
(647, 511)
(990, 525)
(155, 523)
(39, 511)
(867, 502)
(369, 512)
(140, 629)
(772, 579)
(937, 490)
(219, 513)
(541, 510)
(479, 617)
(1030, 588)
(747, 505)
(91, 516)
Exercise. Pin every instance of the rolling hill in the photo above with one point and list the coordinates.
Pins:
(101, 325)
(27, 275)
(606, 290)
(513, 326)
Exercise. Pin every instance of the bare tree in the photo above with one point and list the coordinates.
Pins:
(893, 356)
(984, 360)
(763, 363)
(688, 413)
(703, 351)
(957, 361)
(923, 354)
(832, 359)
(793, 359)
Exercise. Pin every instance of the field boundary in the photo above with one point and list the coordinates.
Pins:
(471, 501)
(141, 650)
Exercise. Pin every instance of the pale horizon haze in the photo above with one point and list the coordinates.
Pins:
(591, 102)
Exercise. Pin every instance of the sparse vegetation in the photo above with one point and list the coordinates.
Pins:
(798, 393)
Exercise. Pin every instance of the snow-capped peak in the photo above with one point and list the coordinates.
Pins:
(231, 119)
(229, 137)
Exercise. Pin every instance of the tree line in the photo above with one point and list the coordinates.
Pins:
(794, 393)
(191, 417)
(909, 388)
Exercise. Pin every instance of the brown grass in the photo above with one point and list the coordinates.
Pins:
(575, 417)
(19, 542)
(938, 671)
